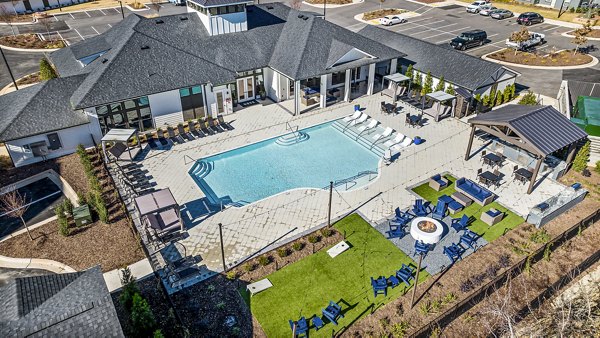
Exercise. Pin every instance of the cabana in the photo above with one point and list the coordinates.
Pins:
(437, 110)
(159, 213)
(394, 81)
(539, 130)
(119, 138)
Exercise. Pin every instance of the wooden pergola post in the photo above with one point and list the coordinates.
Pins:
(535, 174)
(468, 153)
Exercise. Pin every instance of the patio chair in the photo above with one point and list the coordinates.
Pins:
(483, 153)
(397, 139)
(224, 124)
(214, 125)
(395, 231)
(173, 137)
(161, 137)
(469, 238)
(440, 211)
(204, 129)
(479, 171)
(405, 273)
(184, 134)
(453, 252)
(438, 182)
(515, 168)
(359, 120)
(382, 107)
(406, 142)
(459, 224)
(192, 127)
(393, 281)
(317, 322)
(372, 124)
(419, 209)
(402, 217)
(384, 135)
(379, 286)
(421, 248)
(352, 117)
(333, 312)
(301, 327)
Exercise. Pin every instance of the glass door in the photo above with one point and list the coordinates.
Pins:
(220, 98)
(250, 88)
(245, 89)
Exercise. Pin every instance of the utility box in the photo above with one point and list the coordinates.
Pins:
(82, 215)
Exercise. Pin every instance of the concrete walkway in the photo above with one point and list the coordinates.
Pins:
(139, 270)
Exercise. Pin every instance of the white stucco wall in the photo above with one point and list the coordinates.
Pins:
(166, 108)
(228, 23)
(69, 139)
(271, 79)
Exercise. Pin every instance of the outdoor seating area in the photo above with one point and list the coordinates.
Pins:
(333, 312)
(159, 214)
(196, 129)
(117, 140)
(404, 274)
(477, 193)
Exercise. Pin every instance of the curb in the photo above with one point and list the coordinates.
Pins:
(375, 22)
(35, 263)
(27, 50)
(354, 2)
(18, 23)
(566, 34)
(10, 88)
(510, 64)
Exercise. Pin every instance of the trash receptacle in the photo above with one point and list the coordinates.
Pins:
(82, 215)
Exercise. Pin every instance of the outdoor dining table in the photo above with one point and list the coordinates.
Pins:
(523, 175)
(390, 108)
(489, 177)
(492, 160)
(415, 120)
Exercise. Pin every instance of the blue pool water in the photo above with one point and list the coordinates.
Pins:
(248, 174)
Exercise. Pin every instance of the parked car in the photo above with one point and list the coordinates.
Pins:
(476, 6)
(485, 11)
(178, 2)
(534, 40)
(501, 14)
(469, 39)
(391, 20)
(529, 18)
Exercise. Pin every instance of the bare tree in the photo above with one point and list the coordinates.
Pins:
(13, 203)
(7, 17)
(581, 36)
(296, 4)
(519, 37)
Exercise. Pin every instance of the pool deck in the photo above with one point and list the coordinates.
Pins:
(253, 227)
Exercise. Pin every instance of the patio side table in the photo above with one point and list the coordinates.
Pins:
(417, 140)
(82, 215)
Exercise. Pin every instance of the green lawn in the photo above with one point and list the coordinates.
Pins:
(510, 221)
(305, 287)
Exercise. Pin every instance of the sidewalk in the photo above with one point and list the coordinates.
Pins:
(139, 270)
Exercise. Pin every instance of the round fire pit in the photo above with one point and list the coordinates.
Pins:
(426, 229)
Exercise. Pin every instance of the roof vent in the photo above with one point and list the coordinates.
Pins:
(145, 47)
(105, 60)
(305, 18)
(183, 18)
(269, 7)
(159, 21)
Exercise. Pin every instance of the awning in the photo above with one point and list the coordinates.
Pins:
(122, 152)
(119, 135)
(440, 96)
(396, 77)
(154, 202)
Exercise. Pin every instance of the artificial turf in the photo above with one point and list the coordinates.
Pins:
(306, 286)
(489, 233)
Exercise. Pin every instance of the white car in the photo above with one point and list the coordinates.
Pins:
(487, 10)
(476, 6)
(391, 20)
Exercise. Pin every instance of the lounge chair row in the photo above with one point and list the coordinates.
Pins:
(393, 142)
(196, 129)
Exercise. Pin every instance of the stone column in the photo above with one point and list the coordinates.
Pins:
(371, 80)
(297, 98)
(394, 66)
(347, 85)
(323, 103)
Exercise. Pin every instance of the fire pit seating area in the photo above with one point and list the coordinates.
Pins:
(438, 182)
(477, 193)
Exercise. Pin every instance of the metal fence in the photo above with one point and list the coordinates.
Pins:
(461, 307)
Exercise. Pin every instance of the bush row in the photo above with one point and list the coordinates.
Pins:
(94, 197)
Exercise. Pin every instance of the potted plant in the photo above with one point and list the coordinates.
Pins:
(261, 91)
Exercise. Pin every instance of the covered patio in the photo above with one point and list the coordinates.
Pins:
(394, 90)
(118, 139)
(437, 109)
(538, 130)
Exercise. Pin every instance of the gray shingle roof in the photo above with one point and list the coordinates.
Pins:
(459, 68)
(59, 305)
(40, 108)
(180, 53)
(580, 88)
(213, 3)
(90, 46)
(543, 127)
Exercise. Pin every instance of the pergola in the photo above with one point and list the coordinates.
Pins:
(394, 80)
(539, 130)
(159, 212)
(120, 150)
(436, 110)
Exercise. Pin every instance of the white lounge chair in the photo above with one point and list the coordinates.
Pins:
(389, 143)
(386, 133)
(406, 142)
(360, 120)
(372, 124)
(352, 117)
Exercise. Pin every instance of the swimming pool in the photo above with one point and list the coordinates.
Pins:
(254, 172)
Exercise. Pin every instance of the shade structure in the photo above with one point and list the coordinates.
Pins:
(159, 212)
(121, 137)
(396, 77)
(437, 110)
(155, 202)
(440, 96)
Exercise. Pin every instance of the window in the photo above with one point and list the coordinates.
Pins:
(54, 141)
(226, 9)
(338, 78)
(127, 114)
(192, 103)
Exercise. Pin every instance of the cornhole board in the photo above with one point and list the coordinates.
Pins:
(259, 286)
(338, 249)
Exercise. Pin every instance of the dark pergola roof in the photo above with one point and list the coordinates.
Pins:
(540, 129)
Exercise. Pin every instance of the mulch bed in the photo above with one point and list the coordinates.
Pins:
(380, 13)
(29, 79)
(112, 245)
(329, 2)
(29, 41)
(562, 58)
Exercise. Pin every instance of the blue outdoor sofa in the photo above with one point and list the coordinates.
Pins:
(477, 193)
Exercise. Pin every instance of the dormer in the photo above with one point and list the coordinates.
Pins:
(221, 16)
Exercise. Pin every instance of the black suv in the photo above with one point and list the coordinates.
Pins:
(469, 39)
(529, 18)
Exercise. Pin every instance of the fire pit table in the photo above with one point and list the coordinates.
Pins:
(426, 229)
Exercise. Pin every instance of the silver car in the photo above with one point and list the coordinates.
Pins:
(500, 14)
(485, 11)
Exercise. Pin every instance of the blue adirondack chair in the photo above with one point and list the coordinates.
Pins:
(396, 231)
(459, 224)
(332, 312)
(301, 327)
(469, 238)
(393, 281)
(454, 252)
(317, 322)
(402, 217)
(379, 286)
(419, 209)
(421, 248)
(440, 210)
(405, 274)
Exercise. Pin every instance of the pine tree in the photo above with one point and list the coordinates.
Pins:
(486, 100)
(581, 159)
(46, 70)
(499, 98)
(142, 318)
(410, 73)
(440, 85)
(506, 94)
(450, 89)
(428, 85)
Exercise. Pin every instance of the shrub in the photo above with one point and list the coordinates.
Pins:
(158, 334)
(283, 252)
(249, 267)
(427, 85)
(68, 206)
(384, 322)
(540, 236)
(581, 159)
(398, 330)
(528, 99)
(499, 99)
(220, 305)
(491, 271)
(504, 261)
(327, 232)
(297, 246)
(485, 100)
(211, 287)
(441, 84)
(130, 288)
(478, 279)
(597, 169)
(313, 239)
(46, 70)
(436, 305)
(449, 298)
(506, 95)
(425, 308)
(63, 227)
(97, 202)
(450, 90)
(95, 183)
(264, 260)
(231, 275)
(142, 318)
(466, 286)
(81, 199)
(236, 331)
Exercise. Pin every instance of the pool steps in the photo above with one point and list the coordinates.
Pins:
(365, 139)
(292, 138)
